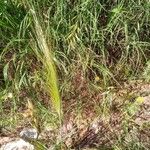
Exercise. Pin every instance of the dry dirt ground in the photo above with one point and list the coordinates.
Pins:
(115, 117)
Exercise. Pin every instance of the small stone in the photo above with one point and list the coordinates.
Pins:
(17, 145)
(29, 134)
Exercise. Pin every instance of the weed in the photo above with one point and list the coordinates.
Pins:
(56, 49)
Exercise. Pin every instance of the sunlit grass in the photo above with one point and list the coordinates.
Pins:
(49, 67)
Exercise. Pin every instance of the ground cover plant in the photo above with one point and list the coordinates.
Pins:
(78, 70)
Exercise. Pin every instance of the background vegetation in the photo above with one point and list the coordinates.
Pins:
(90, 43)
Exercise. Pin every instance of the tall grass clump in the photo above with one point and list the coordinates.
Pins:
(24, 36)
(46, 56)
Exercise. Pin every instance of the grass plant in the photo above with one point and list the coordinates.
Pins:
(52, 49)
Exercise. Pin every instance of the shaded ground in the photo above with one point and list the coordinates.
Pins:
(125, 116)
